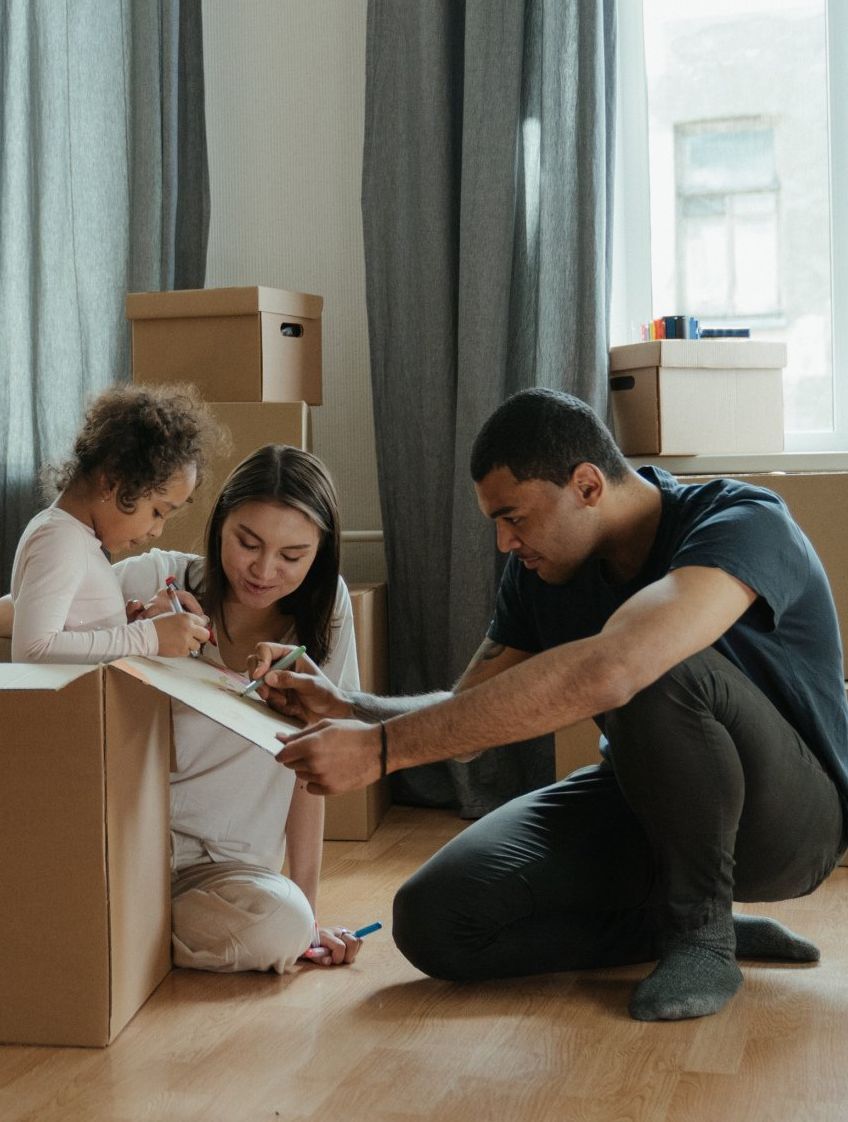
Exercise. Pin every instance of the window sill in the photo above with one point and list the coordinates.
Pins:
(736, 464)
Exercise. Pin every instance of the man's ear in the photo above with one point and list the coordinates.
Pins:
(588, 483)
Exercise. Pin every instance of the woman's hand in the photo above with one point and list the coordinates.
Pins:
(302, 692)
(337, 946)
(181, 634)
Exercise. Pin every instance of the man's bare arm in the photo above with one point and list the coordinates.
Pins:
(659, 627)
(489, 659)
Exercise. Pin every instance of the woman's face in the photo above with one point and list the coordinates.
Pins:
(266, 551)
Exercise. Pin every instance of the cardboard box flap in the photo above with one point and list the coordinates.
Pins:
(716, 353)
(40, 676)
(213, 690)
(193, 302)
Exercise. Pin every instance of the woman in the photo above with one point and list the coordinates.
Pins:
(271, 571)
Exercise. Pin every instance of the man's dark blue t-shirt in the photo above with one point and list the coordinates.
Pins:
(787, 642)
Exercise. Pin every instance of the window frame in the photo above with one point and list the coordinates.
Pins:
(631, 281)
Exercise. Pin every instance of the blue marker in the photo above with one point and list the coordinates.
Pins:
(363, 931)
(317, 951)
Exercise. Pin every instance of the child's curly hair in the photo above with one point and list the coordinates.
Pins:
(138, 437)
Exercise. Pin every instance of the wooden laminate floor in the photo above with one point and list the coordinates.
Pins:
(378, 1042)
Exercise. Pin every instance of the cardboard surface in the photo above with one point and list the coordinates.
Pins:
(683, 397)
(713, 354)
(84, 837)
(577, 747)
(235, 344)
(213, 691)
(84, 890)
(355, 815)
(251, 425)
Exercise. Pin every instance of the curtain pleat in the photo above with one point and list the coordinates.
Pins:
(487, 208)
(103, 190)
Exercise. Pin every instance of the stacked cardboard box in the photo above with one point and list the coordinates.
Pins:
(255, 355)
(689, 396)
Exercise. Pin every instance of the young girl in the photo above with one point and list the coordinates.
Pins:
(136, 460)
(271, 571)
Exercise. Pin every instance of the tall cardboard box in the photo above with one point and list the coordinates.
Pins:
(355, 815)
(682, 397)
(84, 852)
(85, 904)
(576, 747)
(235, 344)
(251, 425)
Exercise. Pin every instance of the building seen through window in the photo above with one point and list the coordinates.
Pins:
(739, 178)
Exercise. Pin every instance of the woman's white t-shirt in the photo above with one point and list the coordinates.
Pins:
(229, 798)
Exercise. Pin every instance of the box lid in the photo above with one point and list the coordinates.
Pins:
(213, 690)
(740, 353)
(191, 302)
(40, 676)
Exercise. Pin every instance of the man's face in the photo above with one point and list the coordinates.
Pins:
(551, 530)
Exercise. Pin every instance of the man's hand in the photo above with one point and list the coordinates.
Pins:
(333, 756)
(302, 692)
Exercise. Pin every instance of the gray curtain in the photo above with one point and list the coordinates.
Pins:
(487, 208)
(103, 190)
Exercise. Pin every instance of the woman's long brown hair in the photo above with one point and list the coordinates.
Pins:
(279, 473)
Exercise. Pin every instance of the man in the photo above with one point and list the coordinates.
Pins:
(695, 624)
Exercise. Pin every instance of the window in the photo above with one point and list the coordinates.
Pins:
(727, 208)
(732, 147)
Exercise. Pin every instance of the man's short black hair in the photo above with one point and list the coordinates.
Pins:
(545, 434)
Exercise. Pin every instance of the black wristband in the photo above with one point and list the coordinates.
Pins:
(384, 749)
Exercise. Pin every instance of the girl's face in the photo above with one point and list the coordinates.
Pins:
(266, 551)
(119, 531)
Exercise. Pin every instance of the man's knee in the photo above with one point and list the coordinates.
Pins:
(652, 706)
(425, 930)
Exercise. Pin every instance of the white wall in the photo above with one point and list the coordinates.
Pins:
(285, 92)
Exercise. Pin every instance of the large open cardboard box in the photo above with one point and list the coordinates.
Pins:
(688, 396)
(85, 922)
(84, 891)
(235, 344)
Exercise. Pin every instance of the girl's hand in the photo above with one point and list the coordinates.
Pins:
(135, 610)
(338, 946)
(301, 692)
(181, 634)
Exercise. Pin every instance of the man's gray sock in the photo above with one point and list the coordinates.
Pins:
(696, 975)
(758, 937)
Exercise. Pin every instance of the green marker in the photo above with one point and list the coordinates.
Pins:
(281, 664)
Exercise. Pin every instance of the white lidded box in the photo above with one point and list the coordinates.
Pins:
(235, 344)
(686, 397)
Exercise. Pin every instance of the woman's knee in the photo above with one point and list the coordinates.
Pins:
(241, 923)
